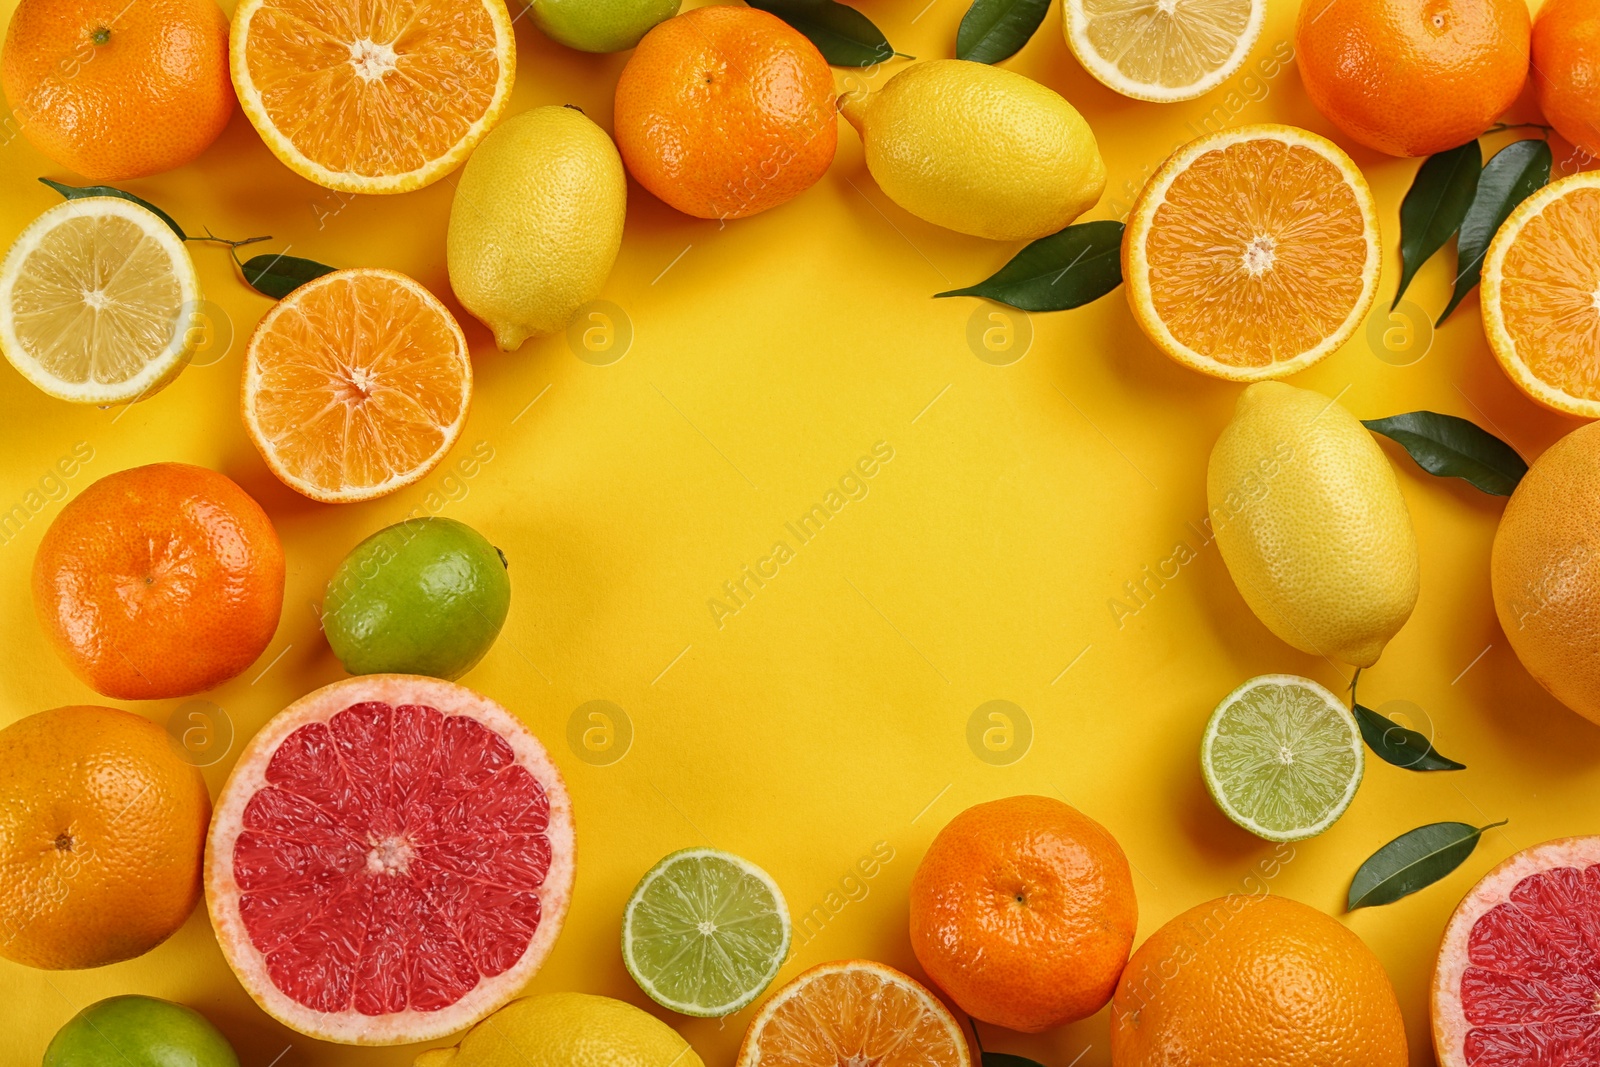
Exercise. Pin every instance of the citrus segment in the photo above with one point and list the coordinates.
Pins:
(1541, 295)
(1252, 253)
(370, 98)
(1161, 50)
(853, 1012)
(96, 300)
(391, 860)
(356, 384)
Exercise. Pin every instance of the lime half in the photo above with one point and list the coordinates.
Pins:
(705, 932)
(1282, 757)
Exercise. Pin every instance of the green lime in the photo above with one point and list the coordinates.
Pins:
(139, 1032)
(424, 596)
(1282, 757)
(705, 932)
(600, 25)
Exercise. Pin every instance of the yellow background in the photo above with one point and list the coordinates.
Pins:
(830, 713)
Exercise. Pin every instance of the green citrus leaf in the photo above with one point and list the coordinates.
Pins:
(1413, 861)
(1434, 207)
(1452, 447)
(844, 36)
(1065, 270)
(1395, 744)
(993, 30)
(1511, 176)
(75, 192)
(277, 276)
(1006, 1059)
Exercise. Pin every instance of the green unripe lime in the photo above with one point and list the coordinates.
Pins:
(600, 25)
(424, 596)
(136, 1031)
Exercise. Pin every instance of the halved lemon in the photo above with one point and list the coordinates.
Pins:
(97, 298)
(367, 97)
(1162, 50)
(1541, 295)
(356, 385)
(1252, 253)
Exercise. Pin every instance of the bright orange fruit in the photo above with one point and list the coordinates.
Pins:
(726, 111)
(102, 829)
(116, 90)
(1023, 911)
(1566, 69)
(160, 581)
(356, 384)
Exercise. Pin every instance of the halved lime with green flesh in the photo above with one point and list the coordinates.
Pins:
(705, 932)
(1282, 757)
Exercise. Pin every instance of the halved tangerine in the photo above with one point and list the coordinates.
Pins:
(390, 860)
(356, 384)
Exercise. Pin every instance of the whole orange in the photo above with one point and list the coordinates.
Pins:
(116, 90)
(1566, 69)
(160, 581)
(1245, 981)
(1412, 77)
(1023, 912)
(102, 834)
(725, 111)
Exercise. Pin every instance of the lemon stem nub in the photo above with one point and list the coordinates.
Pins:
(853, 106)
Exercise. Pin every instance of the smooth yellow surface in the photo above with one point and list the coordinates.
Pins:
(821, 730)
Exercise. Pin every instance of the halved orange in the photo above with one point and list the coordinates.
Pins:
(355, 385)
(854, 1012)
(372, 97)
(1252, 253)
(1541, 295)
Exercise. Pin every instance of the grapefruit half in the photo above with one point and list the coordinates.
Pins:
(390, 860)
(1518, 978)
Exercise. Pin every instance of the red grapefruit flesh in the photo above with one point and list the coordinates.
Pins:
(390, 860)
(1518, 979)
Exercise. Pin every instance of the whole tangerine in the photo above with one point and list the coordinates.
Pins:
(1023, 911)
(160, 581)
(1412, 77)
(1566, 69)
(726, 111)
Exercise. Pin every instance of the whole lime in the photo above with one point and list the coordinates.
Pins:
(134, 1031)
(600, 25)
(424, 596)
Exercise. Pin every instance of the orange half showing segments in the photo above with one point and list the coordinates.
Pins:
(355, 385)
(1252, 253)
(369, 97)
(1541, 295)
(854, 1012)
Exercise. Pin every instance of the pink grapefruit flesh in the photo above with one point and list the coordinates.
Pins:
(390, 860)
(1518, 978)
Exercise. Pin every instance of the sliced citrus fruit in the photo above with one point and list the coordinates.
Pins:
(372, 98)
(356, 384)
(1252, 253)
(97, 297)
(390, 860)
(705, 932)
(1518, 977)
(1282, 757)
(853, 1012)
(1541, 295)
(1161, 49)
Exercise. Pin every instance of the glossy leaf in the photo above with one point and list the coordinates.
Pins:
(1511, 176)
(1400, 746)
(844, 36)
(1065, 270)
(1413, 861)
(277, 276)
(1433, 208)
(1006, 1059)
(993, 30)
(1452, 447)
(75, 192)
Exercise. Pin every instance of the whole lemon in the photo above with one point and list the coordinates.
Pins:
(600, 25)
(536, 223)
(1308, 515)
(566, 1030)
(978, 149)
